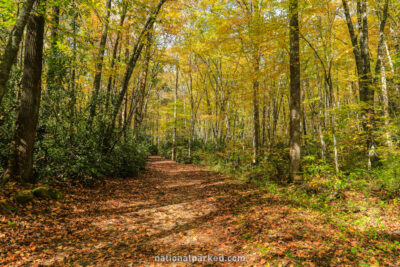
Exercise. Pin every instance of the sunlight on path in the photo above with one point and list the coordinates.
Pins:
(171, 208)
(175, 209)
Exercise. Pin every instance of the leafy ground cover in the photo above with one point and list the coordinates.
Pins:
(175, 209)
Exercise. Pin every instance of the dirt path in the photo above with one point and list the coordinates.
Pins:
(172, 210)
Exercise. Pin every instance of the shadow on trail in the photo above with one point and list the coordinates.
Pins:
(175, 209)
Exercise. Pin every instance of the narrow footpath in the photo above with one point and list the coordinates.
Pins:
(171, 210)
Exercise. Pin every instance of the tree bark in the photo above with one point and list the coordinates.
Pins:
(12, 47)
(20, 166)
(295, 94)
(192, 111)
(361, 55)
(53, 47)
(362, 58)
(380, 70)
(140, 98)
(256, 111)
(114, 59)
(173, 156)
(72, 91)
(99, 65)
(140, 43)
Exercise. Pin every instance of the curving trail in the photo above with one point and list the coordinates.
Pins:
(171, 209)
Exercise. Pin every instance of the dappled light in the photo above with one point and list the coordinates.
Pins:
(199, 132)
(133, 220)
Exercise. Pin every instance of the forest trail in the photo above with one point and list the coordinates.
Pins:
(170, 209)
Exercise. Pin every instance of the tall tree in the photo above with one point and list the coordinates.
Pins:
(256, 25)
(20, 166)
(295, 93)
(135, 54)
(52, 65)
(256, 109)
(114, 55)
(12, 47)
(362, 58)
(175, 112)
(99, 64)
(143, 87)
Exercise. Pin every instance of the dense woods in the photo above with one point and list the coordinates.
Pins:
(301, 97)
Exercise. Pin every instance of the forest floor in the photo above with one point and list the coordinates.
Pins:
(178, 210)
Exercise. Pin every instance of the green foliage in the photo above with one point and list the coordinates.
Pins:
(276, 162)
(45, 192)
(396, 59)
(8, 9)
(12, 224)
(41, 192)
(383, 181)
(127, 159)
(65, 147)
(314, 167)
(229, 160)
(60, 158)
(24, 197)
(182, 150)
(153, 149)
(8, 112)
(6, 205)
(386, 179)
(84, 160)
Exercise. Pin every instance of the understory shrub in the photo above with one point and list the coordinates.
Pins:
(86, 162)
(182, 150)
(67, 148)
(385, 180)
(127, 159)
(8, 114)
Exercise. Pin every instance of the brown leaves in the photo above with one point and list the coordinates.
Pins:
(199, 213)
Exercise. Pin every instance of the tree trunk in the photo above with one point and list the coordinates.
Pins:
(362, 59)
(20, 166)
(321, 116)
(73, 79)
(140, 43)
(142, 89)
(12, 47)
(385, 100)
(52, 65)
(396, 40)
(173, 156)
(192, 109)
(264, 119)
(295, 94)
(112, 78)
(99, 65)
(380, 70)
(256, 112)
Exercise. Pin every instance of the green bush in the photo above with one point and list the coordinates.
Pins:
(81, 158)
(387, 178)
(153, 149)
(127, 159)
(23, 197)
(8, 114)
